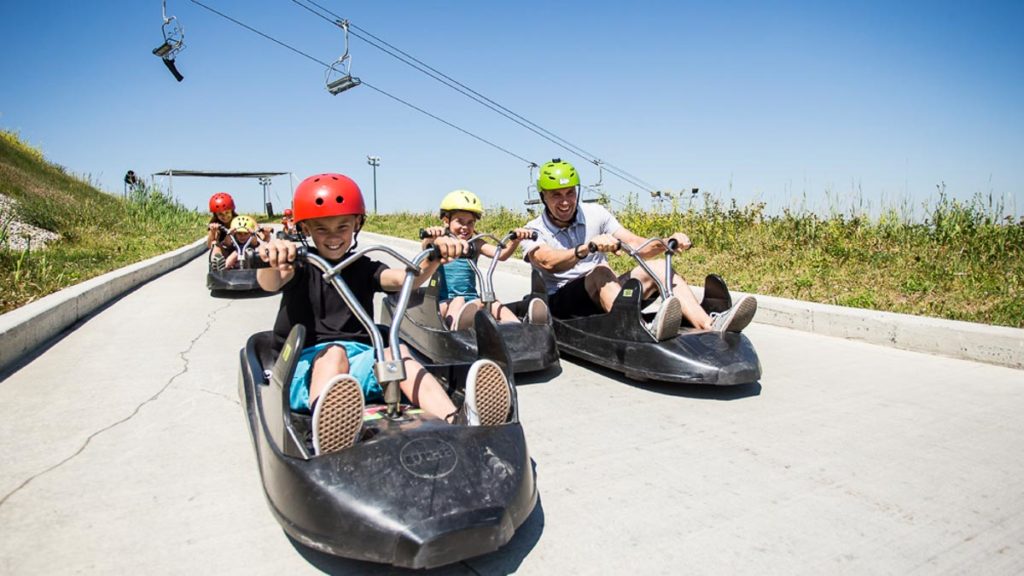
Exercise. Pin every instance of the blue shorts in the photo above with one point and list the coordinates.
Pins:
(360, 361)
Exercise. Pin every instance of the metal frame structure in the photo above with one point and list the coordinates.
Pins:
(263, 178)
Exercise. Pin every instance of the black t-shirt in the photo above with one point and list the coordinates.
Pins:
(309, 300)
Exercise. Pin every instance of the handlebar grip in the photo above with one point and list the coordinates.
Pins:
(424, 234)
(435, 252)
(512, 234)
(254, 262)
(593, 247)
(672, 244)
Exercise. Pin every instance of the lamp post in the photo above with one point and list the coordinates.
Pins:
(265, 182)
(374, 161)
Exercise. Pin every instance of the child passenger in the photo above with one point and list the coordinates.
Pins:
(457, 295)
(334, 377)
(241, 236)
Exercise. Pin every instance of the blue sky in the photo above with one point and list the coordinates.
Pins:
(793, 103)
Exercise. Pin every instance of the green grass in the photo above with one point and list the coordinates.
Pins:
(99, 232)
(964, 262)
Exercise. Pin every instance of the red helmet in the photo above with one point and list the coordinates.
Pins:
(326, 195)
(221, 201)
(288, 212)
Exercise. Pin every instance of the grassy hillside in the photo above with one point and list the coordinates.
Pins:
(98, 232)
(965, 262)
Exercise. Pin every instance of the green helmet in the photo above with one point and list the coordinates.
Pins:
(462, 200)
(556, 175)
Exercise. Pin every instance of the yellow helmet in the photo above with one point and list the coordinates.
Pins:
(462, 200)
(246, 223)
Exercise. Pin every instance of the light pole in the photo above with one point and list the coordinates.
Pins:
(374, 161)
(265, 182)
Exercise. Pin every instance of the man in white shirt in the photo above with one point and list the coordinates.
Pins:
(580, 282)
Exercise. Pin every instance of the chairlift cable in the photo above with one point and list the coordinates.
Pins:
(474, 95)
(364, 83)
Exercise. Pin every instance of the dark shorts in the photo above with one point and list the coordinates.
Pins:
(572, 300)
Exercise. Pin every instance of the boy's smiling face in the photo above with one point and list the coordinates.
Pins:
(462, 224)
(332, 235)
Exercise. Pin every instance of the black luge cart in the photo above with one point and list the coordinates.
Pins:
(415, 491)
(621, 340)
(531, 347)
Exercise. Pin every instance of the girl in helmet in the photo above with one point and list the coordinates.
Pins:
(222, 212)
(334, 375)
(457, 295)
(241, 236)
(287, 222)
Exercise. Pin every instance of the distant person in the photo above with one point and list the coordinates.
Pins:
(241, 237)
(132, 182)
(457, 294)
(287, 222)
(581, 283)
(334, 377)
(222, 212)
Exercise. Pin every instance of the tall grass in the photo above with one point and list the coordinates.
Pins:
(964, 261)
(98, 232)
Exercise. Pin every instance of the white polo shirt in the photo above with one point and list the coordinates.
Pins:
(591, 220)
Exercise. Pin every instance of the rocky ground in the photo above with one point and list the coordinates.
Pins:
(16, 235)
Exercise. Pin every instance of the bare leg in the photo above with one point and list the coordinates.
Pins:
(231, 261)
(501, 313)
(422, 388)
(603, 287)
(334, 361)
(691, 307)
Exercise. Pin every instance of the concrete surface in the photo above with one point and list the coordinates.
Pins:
(126, 451)
(24, 329)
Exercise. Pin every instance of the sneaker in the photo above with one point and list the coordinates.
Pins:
(735, 319)
(338, 415)
(666, 322)
(464, 320)
(488, 396)
(217, 262)
(537, 312)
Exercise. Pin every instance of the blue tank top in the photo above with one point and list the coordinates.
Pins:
(457, 279)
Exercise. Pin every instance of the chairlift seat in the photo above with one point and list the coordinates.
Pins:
(164, 49)
(342, 84)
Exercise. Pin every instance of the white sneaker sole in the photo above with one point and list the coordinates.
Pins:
(338, 416)
(488, 398)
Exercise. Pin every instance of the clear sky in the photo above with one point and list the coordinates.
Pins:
(869, 103)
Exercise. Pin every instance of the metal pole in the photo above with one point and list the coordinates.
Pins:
(374, 161)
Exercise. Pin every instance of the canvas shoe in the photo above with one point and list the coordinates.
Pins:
(217, 262)
(464, 321)
(666, 322)
(737, 318)
(338, 415)
(537, 312)
(488, 396)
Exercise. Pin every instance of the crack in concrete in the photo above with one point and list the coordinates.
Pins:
(230, 399)
(135, 412)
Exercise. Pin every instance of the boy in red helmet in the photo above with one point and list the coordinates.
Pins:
(334, 372)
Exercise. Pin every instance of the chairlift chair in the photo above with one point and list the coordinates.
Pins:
(342, 68)
(174, 42)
